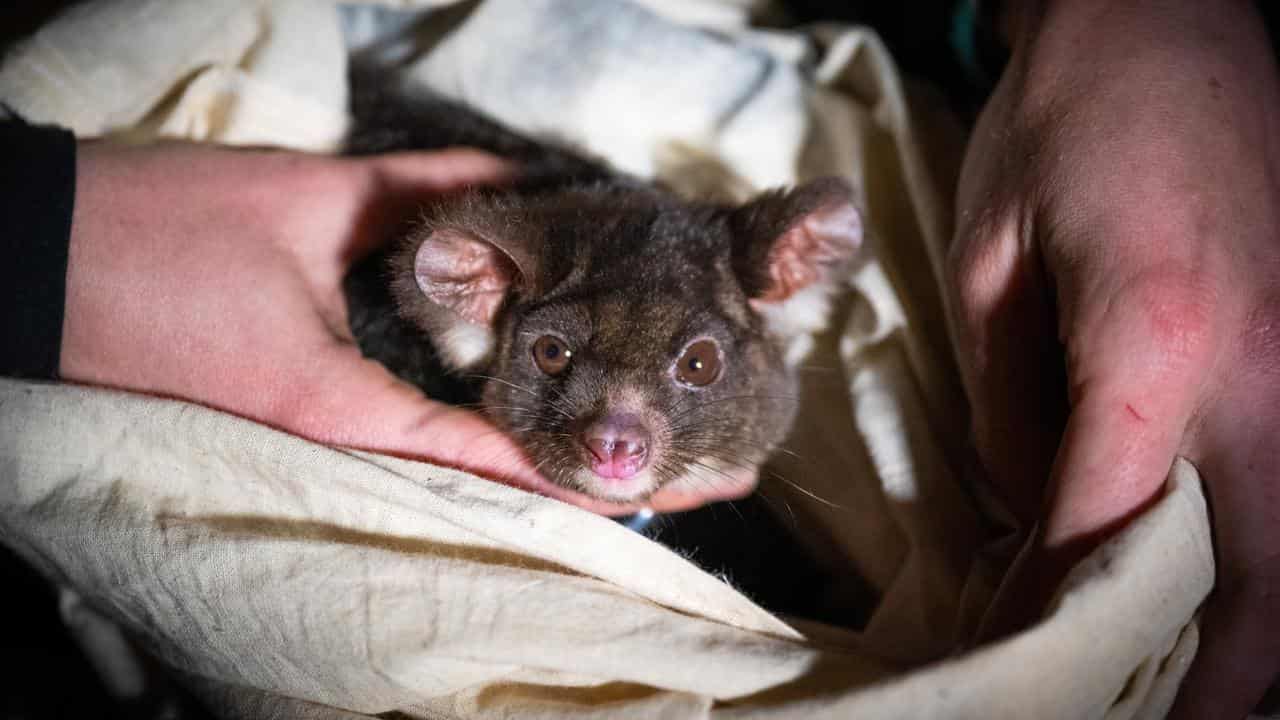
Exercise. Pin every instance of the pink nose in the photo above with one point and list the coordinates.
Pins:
(618, 445)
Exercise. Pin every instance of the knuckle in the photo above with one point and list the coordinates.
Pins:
(327, 175)
(976, 270)
(1176, 309)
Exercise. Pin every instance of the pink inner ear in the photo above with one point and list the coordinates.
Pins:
(823, 239)
(464, 273)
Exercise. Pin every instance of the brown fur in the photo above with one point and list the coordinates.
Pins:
(627, 275)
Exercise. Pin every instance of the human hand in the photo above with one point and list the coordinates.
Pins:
(215, 276)
(1115, 300)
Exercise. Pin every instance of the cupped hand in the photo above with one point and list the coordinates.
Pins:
(1115, 300)
(215, 276)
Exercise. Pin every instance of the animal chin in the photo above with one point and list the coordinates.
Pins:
(710, 480)
(616, 484)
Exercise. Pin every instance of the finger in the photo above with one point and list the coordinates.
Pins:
(359, 404)
(401, 184)
(1010, 360)
(1239, 654)
(440, 171)
(1238, 658)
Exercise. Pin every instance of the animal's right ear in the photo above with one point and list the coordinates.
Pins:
(451, 282)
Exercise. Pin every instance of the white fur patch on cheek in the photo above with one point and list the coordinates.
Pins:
(465, 344)
(796, 319)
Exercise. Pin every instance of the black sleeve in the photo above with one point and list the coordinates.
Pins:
(37, 194)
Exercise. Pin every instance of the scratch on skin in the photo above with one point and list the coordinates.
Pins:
(1134, 413)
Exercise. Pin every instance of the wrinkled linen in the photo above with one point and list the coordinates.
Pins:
(282, 578)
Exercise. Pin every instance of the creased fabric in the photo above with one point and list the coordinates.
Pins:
(282, 578)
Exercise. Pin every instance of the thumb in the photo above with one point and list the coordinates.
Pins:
(1136, 354)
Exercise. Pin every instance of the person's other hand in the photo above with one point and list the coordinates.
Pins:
(1115, 298)
(215, 276)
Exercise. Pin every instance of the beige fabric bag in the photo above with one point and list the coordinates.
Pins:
(288, 579)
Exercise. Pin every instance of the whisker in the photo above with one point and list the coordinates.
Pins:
(720, 452)
(500, 381)
(734, 398)
(770, 502)
(811, 494)
(552, 402)
(818, 369)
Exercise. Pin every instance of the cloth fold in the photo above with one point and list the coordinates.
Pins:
(284, 578)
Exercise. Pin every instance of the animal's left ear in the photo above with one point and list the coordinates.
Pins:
(788, 242)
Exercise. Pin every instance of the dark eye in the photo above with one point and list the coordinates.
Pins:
(551, 354)
(699, 364)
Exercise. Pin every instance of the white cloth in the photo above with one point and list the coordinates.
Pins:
(294, 580)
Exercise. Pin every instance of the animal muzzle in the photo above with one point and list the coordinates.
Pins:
(617, 446)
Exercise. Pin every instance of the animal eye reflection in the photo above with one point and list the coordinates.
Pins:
(699, 365)
(551, 354)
